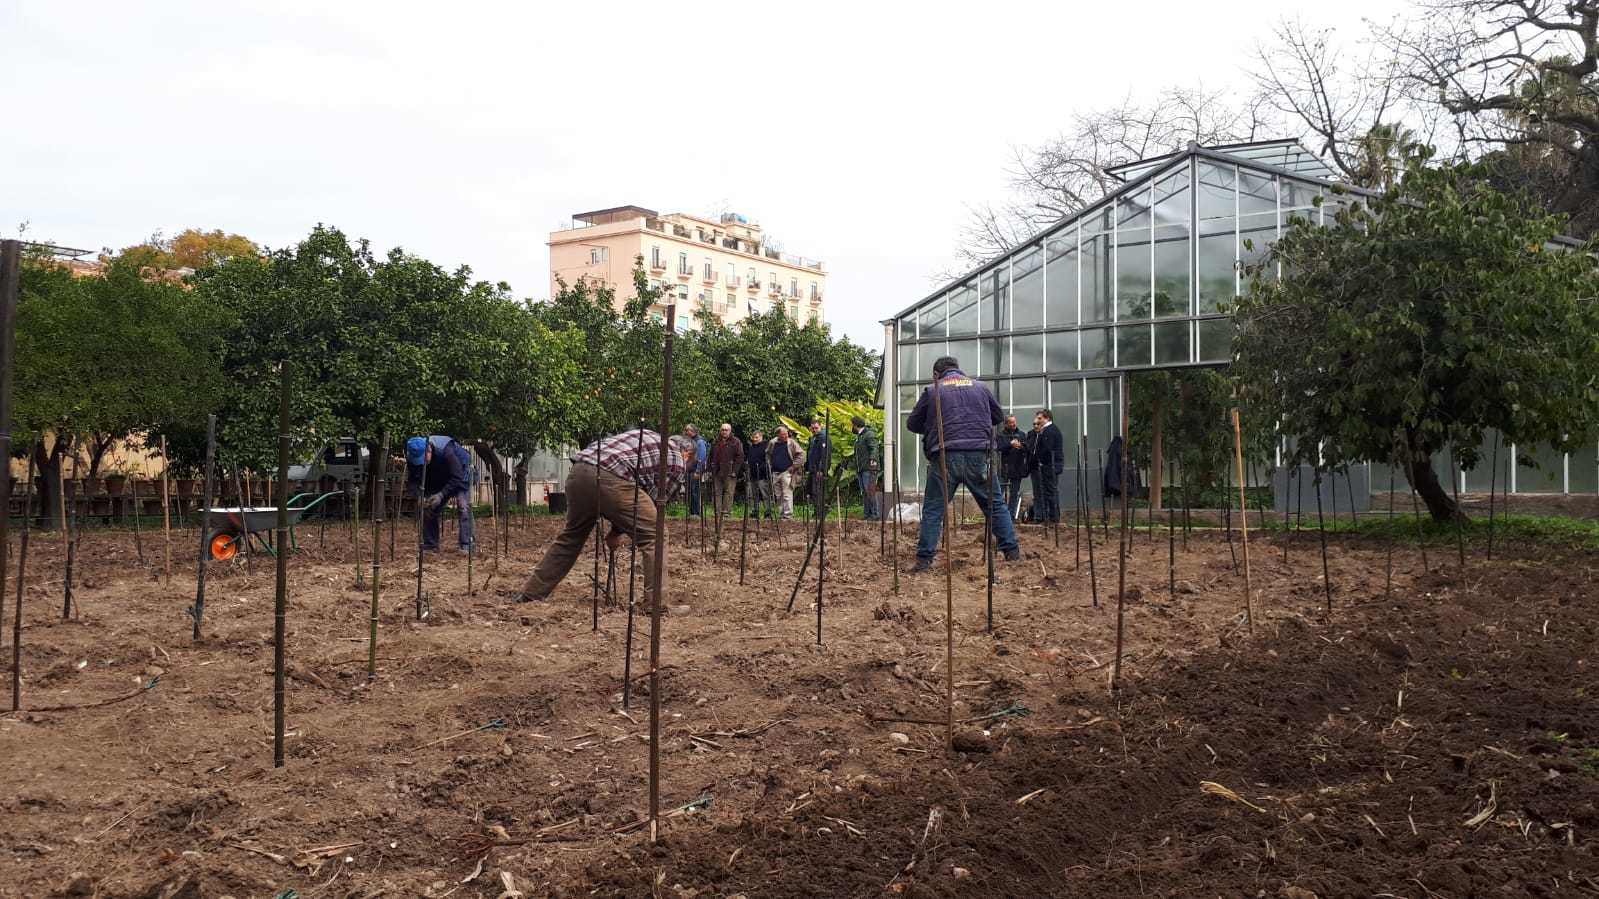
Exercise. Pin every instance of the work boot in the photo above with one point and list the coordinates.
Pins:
(1013, 555)
(921, 566)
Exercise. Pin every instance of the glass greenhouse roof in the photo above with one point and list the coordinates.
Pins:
(1288, 155)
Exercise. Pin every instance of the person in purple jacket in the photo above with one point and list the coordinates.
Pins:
(970, 413)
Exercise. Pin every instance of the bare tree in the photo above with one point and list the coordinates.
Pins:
(1071, 171)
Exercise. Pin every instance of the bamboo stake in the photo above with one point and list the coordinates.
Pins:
(1227, 483)
(355, 533)
(377, 561)
(898, 523)
(1455, 475)
(1104, 509)
(10, 287)
(994, 502)
(22, 577)
(420, 487)
(1243, 523)
(1078, 501)
(1421, 537)
(821, 515)
(1321, 528)
(205, 522)
(1493, 482)
(280, 606)
(632, 557)
(399, 505)
(744, 529)
(599, 457)
(949, 576)
(72, 536)
(1171, 537)
(244, 527)
(166, 515)
(1121, 548)
(1388, 590)
(1289, 478)
(660, 579)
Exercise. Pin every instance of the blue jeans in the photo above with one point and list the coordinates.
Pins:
(430, 521)
(966, 467)
(866, 480)
(694, 493)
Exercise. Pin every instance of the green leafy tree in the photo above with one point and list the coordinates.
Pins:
(103, 357)
(1419, 320)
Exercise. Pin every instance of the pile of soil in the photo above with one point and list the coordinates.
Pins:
(1440, 741)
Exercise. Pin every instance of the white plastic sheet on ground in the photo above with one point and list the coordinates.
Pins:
(907, 512)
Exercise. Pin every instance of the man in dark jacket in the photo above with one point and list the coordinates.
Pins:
(438, 469)
(1049, 459)
(818, 459)
(727, 458)
(956, 418)
(759, 492)
(1014, 464)
(865, 458)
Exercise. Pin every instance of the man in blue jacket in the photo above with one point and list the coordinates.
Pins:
(696, 477)
(439, 469)
(969, 415)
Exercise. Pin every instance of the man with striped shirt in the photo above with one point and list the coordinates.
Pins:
(600, 485)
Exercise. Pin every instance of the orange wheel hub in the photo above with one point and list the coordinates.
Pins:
(224, 547)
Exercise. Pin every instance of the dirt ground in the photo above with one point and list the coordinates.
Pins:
(1441, 742)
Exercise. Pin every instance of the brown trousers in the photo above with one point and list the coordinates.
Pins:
(726, 486)
(592, 494)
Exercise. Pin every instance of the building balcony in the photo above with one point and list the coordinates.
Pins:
(684, 275)
(659, 265)
(755, 287)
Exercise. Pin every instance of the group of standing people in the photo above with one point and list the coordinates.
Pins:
(774, 468)
(1038, 455)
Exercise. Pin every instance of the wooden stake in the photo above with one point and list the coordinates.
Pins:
(420, 487)
(660, 579)
(599, 540)
(22, 577)
(1493, 482)
(377, 560)
(10, 288)
(893, 559)
(949, 576)
(72, 536)
(1243, 515)
(1171, 537)
(205, 523)
(1421, 537)
(355, 532)
(138, 537)
(1455, 476)
(632, 557)
(1389, 589)
(995, 501)
(166, 514)
(1321, 528)
(280, 605)
(1121, 547)
(744, 528)
(244, 536)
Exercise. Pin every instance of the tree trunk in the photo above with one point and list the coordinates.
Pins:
(1432, 491)
(496, 467)
(99, 445)
(48, 458)
(521, 482)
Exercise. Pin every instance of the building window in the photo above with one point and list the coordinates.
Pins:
(655, 258)
(709, 274)
(682, 264)
(752, 276)
(598, 255)
(731, 302)
(732, 274)
(793, 287)
(771, 280)
(815, 294)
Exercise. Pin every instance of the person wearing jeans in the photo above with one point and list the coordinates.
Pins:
(760, 479)
(956, 416)
(784, 456)
(439, 469)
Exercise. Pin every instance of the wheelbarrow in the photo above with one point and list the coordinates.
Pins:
(254, 523)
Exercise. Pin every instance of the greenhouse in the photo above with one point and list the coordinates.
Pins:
(1140, 280)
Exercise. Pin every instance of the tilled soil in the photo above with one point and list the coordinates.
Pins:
(1441, 741)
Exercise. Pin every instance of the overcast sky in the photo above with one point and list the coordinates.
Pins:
(855, 133)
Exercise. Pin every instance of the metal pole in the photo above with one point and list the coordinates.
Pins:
(421, 487)
(1088, 525)
(893, 552)
(280, 608)
(205, 521)
(821, 514)
(138, 537)
(377, 560)
(1389, 589)
(1455, 475)
(1321, 528)
(10, 281)
(744, 528)
(72, 536)
(988, 527)
(1493, 483)
(1171, 532)
(599, 456)
(660, 577)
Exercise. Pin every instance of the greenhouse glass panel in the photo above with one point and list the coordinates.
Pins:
(907, 362)
(1172, 212)
(1216, 340)
(996, 356)
(907, 328)
(963, 310)
(1061, 282)
(1299, 201)
(1257, 219)
(1480, 477)
(1171, 343)
(1027, 289)
(1132, 346)
(1066, 401)
(996, 299)
(965, 352)
(1101, 419)
(1027, 393)
(931, 321)
(1132, 257)
(1585, 470)
(1218, 238)
(910, 454)
(1549, 475)
(1060, 351)
(1096, 269)
(908, 394)
(1027, 354)
(1096, 348)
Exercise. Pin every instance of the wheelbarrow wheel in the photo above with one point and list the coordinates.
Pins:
(224, 546)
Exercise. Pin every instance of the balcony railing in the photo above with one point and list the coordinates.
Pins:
(655, 225)
(679, 231)
(755, 286)
(657, 265)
